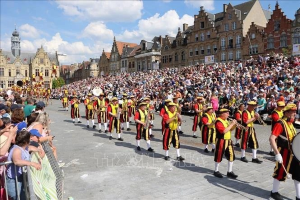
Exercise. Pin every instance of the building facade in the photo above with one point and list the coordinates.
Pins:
(277, 32)
(253, 42)
(18, 66)
(104, 63)
(296, 28)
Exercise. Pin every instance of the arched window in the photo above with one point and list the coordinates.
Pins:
(270, 41)
(183, 55)
(176, 56)
(283, 40)
(196, 38)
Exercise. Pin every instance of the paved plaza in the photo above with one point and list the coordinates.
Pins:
(99, 168)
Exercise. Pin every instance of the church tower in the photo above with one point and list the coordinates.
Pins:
(15, 44)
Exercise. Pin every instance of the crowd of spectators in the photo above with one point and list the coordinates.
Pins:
(24, 125)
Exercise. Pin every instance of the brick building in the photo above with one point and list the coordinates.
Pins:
(296, 28)
(253, 42)
(277, 32)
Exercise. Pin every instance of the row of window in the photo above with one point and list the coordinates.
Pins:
(283, 41)
(230, 55)
(202, 51)
(202, 36)
(238, 41)
(233, 26)
(37, 72)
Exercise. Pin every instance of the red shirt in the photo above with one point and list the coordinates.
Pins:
(237, 116)
(277, 129)
(220, 127)
(196, 107)
(204, 120)
(245, 117)
(275, 116)
(137, 115)
(162, 112)
(165, 117)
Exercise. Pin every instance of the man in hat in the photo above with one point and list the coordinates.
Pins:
(75, 109)
(238, 118)
(170, 135)
(249, 138)
(124, 115)
(89, 110)
(65, 102)
(224, 143)
(198, 107)
(283, 133)
(162, 113)
(133, 105)
(101, 106)
(178, 109)
(208, 129)
(114, 113)
(276, 115)
(142, 119)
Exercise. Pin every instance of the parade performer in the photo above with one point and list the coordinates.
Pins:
(150, 110)
(89, 111)
(178, 109)
(248, 137)
(125, 115)
(132, 106)
(198, 107)
(224, 143)
(65, 102)
(208, 129)
(114, 113)
(142, 120)
(238, 118)
(101, 107)
(170, 135)
(162, 113)
(283, 133)
(75, 110)
(48, 96)
(276, 115)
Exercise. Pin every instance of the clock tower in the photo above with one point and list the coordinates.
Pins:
(15, 44)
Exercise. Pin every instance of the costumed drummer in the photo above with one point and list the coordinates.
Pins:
(224, 143)
(283, 133)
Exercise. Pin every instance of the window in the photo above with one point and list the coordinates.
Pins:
(230, 42)
(296, 36)
(1, 71)
(226, 28)
(223, 42)
(2, 84)
(41, 60)
(223, 56)
(196, 38)
(191, 52)
(46, 72)
(201, 25)
(215, 48)
(170, 58)
(9, 72)
(202, 37)
(270, 42)
(182, 55)
(283, 40)
(176, 57)
(202, 51)
(238, 55)
(276, 25)
(233, 25)
(37, 72)
(47, 84)
(230, 55)
(253, 36)
(166, 48)
(253, 49)
(238, 40)
(196, 51)
(11, 83)
(208, 50)
(229, 16)
(208, 35)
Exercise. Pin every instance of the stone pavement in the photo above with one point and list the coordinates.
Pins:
(99, 168)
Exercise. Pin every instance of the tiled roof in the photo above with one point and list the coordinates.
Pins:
(120, 46)
(135, 49)
(107, 54)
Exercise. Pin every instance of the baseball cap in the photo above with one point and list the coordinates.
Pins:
(21, 126)
(35, 132)
(40, 104)
(14, 106)
(3, 107)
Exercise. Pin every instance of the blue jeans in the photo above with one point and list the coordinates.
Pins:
(12, 190)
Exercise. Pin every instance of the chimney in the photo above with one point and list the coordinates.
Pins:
(224, 7)
(185, 27)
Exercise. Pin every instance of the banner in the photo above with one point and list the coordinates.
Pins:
(296, 49)
(209, 59)
(44, 180)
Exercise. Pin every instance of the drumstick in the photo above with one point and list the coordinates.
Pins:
(287, 174)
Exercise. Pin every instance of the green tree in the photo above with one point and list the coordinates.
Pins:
(58, 82)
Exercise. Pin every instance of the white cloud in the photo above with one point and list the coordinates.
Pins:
(29, 31)
(156, 25)
(117, 11)
(207, 4)
(38, 18)
(98, 30)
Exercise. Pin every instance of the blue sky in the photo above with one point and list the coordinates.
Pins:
(82, 29)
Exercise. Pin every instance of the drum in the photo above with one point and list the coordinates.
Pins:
(296, 146)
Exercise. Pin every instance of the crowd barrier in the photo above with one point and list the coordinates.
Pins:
(44, 184)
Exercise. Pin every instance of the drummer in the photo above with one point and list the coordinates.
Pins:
(281, 139)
